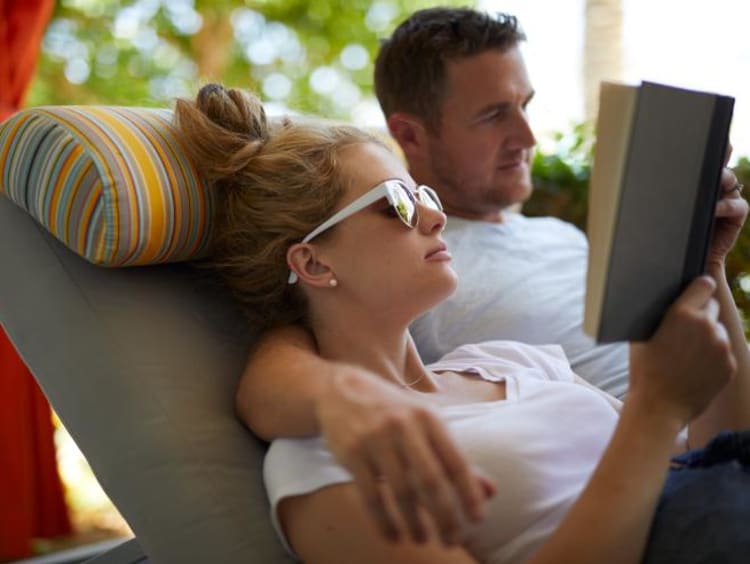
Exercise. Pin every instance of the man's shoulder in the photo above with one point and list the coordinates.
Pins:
(548, 227)
(515, 233)
(543, 222)
(512, 220)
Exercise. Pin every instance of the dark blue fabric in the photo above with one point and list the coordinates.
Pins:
(703, 515)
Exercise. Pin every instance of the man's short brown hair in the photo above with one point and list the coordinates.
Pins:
(410, 67)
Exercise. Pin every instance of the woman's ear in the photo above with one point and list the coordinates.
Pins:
(303, 260)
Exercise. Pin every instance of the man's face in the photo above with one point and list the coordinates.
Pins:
(480, 160)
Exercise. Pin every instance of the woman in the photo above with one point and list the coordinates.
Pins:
(322, 225)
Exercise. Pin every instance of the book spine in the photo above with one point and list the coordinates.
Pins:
(710, 189)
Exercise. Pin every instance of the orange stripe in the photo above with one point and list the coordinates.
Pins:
(163, 242)
(182, 199)
(150, 186)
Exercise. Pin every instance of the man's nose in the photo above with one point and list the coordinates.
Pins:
(522, 136)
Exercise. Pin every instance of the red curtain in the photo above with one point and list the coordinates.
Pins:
(31, 494)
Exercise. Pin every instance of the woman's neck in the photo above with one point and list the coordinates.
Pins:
(389, 353)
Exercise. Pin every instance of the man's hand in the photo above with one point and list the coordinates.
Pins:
(394, 444)
(687, 361)
(731, 213)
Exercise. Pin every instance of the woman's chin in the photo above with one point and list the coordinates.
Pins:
(453, 283)
(441, 290)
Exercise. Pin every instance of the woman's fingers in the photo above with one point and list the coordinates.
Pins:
(728, 180)
(731, 207)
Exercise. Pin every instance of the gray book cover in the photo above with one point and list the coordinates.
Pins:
(669, 187)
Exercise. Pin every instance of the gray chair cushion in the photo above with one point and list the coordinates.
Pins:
(141, 366)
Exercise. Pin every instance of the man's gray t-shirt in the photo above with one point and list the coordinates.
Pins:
(523, 280)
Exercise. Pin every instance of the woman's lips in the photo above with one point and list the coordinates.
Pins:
(439, 253)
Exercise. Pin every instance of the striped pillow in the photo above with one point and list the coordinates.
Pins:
(112, 183)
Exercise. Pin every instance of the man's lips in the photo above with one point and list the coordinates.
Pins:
(512, 165)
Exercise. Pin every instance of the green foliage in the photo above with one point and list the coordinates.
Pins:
(561, 179)
(312, 56)
(738, 262)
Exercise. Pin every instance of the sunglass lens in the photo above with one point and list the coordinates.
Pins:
(405, 207)
(429, 198)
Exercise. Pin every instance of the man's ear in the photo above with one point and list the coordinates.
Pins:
(304, 261)
(410, 133)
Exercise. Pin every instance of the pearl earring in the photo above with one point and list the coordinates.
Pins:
(333, 282)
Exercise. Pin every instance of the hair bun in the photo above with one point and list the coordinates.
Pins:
(234, 110)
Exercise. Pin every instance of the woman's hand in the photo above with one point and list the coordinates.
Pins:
(687, 361)
(390, 440)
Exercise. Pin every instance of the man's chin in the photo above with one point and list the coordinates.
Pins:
(515, 195)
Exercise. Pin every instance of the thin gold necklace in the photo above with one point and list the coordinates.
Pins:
(408, 385)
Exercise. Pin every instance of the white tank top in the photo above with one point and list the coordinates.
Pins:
(540, 445)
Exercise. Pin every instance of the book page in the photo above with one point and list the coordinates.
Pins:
(616, 108)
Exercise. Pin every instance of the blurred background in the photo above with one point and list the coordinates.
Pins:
(316, 57)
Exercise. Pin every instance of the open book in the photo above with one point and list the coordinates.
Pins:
(654, 185)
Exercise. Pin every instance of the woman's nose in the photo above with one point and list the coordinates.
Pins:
(431, 219)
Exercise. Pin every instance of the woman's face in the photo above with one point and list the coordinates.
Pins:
(374, 256)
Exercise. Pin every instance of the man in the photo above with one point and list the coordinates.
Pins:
(466, 133)
(454, 88)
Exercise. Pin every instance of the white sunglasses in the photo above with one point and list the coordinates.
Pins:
(399, 196)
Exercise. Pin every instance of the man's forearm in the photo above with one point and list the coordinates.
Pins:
(281, 384)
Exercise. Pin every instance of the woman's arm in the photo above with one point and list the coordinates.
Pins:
(673, 377)
(610, 520)
(697, 363)
(331, 526)
(368, 423)
(731, 408)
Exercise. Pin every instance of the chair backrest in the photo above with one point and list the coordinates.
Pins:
(141, 365)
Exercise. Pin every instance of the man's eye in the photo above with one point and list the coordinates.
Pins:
(494, 116)
(390, 211)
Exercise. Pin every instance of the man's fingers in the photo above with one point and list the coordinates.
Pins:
(471, 491)
(394, 467)
(489, 488)
(367, 483)
(410, 470)
(434, 489)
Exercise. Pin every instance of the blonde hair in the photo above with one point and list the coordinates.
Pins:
(276, 184)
